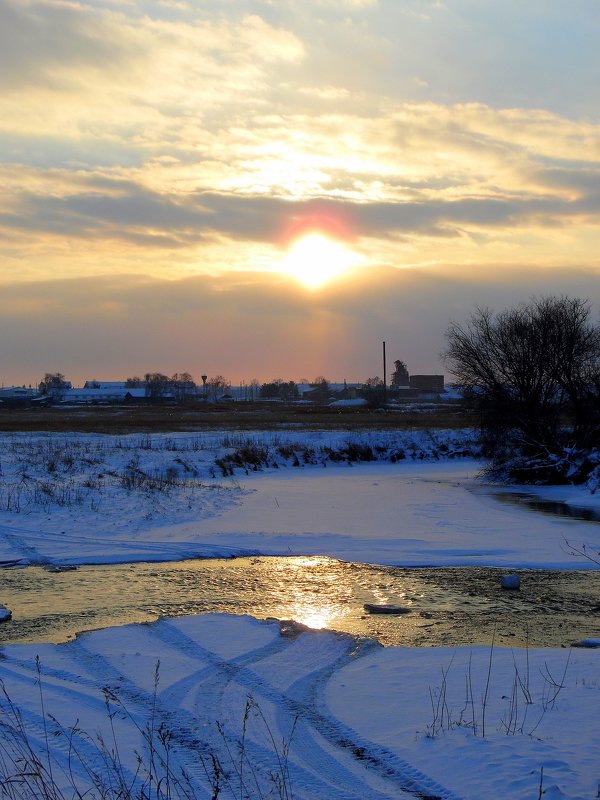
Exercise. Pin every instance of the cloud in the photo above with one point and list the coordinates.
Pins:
(176, 139)
(82, 71)
(254, 325)
(118, 209)
(41, 43)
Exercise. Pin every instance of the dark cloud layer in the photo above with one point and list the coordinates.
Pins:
(248, 326)
(131, 212)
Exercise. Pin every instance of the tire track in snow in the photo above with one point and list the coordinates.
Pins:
(320, 771)
(215, 677)
(14, 539)
(327, 758)
(309, 691)
(195, 733)
(298, 702)
(138, 702)
(191, 744)
(75, 752)
(24, 541)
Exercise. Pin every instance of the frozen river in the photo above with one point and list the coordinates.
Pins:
(451, 532)
(448, 606)
(362, 711)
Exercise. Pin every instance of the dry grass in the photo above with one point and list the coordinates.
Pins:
(241, 416)
(47, 760)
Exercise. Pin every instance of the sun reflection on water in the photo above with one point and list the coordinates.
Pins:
(452, 606)
(301, 562)
(321, 609)
(316, 616)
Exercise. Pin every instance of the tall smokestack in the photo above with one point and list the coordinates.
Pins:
(384, 376)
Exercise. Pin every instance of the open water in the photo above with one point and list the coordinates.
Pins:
(447, 606)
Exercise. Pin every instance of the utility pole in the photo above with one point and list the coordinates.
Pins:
(384, 376)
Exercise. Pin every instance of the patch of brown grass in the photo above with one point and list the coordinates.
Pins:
(239, 416)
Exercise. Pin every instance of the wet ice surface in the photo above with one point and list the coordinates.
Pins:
(554, 508)
(448, 606)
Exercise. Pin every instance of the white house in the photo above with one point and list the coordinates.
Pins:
(114, 394)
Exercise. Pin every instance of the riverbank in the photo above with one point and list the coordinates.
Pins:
(102, 499)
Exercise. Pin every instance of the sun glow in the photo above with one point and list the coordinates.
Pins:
(315, 615)
(315, 259)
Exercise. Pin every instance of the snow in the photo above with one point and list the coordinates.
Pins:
(372, 722)
(411, 513)
(365, 720)
(356, 402)
(405, 514)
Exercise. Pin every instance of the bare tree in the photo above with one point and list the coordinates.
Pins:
(217, 387)
(374, 392)
(582, 551)
(254, 389)
(320, 389)
(156, 384)
(278, 389)
(54, 383)
(182, 385)
(533, 373)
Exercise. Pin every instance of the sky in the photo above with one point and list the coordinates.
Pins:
(271, 188)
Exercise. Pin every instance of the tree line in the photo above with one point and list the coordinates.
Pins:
(181, 386)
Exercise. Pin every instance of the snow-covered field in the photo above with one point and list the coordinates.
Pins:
(474, 723)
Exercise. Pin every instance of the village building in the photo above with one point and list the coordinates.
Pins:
(427, 383)
(106, 394)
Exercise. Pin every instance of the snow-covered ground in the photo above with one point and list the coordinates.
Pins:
(101, 499)
(371, 722)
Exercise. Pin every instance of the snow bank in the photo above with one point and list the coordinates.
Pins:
(368, 723)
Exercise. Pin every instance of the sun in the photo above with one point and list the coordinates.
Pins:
(315, 259)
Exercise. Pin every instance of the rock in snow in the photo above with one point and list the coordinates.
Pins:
(510, 582)
(370, 608)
